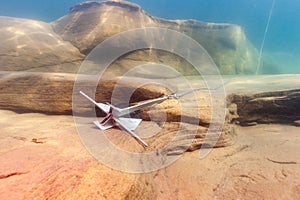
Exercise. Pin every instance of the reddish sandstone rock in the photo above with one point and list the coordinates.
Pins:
(59, 167)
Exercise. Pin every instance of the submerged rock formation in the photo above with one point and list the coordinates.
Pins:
(42, 157)
(52, 93)
(29, 45)
(268, 107)
(266, 99)
(90, 23)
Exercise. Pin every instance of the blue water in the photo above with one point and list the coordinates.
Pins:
(282, 44)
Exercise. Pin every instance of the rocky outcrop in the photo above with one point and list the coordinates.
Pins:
(104, 20)
(52, 92)
(226, 43)
(268, 107)
(29, 45)
(265, 99)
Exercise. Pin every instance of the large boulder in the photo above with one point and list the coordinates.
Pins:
(90, 23)
(52, 92)
(29, 45)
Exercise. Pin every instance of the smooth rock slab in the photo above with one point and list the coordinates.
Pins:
(58, 167)
(262, 159)
(29, 45)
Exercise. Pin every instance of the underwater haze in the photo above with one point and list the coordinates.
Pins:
(271, 25)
